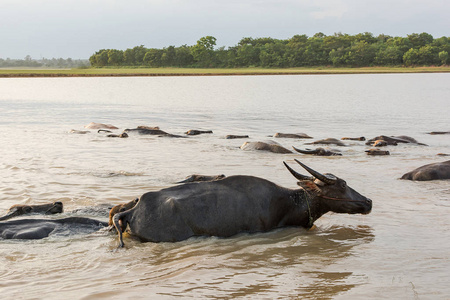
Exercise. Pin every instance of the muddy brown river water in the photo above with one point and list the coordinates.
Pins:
(398, 251)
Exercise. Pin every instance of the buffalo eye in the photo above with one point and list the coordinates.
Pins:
(343, 184)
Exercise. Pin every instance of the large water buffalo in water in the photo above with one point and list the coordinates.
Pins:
(237, 204)
(32, 229)
(435, 171)
(129, 205)
(24, 209)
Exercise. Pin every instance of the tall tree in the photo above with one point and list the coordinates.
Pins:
(203, 51)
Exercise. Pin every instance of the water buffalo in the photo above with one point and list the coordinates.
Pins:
(236, 204)
(292, 135)
(329, 141)
(193, 178)
(354, 139)
(394, 140)
(145, 130)
(197, 132)
(199, 178)
(93, 125)
(122, 135)
(435, 171)
(270, 146)
(23, 209)
(377, 152)
(318, 152)
(439, 132)
(148, 127)
(41, 228)
(233, 136)
(381, 143)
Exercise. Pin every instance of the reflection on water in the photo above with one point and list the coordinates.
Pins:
(398, 251)
(281, 263)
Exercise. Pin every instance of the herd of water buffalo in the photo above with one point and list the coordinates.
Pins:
(218, 205)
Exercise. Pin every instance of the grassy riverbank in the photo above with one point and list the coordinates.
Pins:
(94, 72)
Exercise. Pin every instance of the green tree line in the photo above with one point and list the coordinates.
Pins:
(339, 50)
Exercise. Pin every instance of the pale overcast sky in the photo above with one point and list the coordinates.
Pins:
(78, 28)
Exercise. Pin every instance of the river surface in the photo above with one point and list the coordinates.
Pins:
(398, 251)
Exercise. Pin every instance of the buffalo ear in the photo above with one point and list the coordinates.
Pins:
(309, 186)
(319, 182)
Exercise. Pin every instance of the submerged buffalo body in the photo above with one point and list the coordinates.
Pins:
(122, 135)
(197, 132)
(292, 135)
(237, 204)
(270, 146)
(146, 130)
(234, 136)
(41, 228)
(94, 125)
(376, 152)
(394, 140)
(318, 151)
(328, 141)
(361, 138)
(433, 171)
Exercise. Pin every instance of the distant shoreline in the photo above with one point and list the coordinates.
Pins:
(155, 72)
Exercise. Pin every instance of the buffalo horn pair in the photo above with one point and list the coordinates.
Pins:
(314, 173)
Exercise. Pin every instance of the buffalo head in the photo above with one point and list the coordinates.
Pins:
(331, 193)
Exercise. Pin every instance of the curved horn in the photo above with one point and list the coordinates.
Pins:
(305, 151)
(318, 175)
(297, 175)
